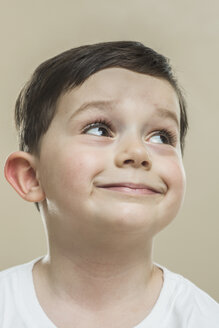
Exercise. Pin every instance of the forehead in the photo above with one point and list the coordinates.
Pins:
(122, 86)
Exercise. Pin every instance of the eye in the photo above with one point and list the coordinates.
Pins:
(163, 137)
(100, 128)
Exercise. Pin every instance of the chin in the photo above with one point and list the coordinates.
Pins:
(129, 221)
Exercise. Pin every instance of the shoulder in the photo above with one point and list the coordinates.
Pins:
(9, 276)
(13, 279)
(187, 289)
(14, 283)
(189, 301)
(12, 273)
(15, 286)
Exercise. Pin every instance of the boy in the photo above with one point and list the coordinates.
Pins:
(101, 131)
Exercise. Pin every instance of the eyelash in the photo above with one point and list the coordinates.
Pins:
(100, 121)
(171, 136)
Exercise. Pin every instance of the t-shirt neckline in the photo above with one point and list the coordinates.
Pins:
(153, 319)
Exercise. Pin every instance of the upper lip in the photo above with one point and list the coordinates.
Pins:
(131, 186)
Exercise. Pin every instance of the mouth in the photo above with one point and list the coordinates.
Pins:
(131, 188)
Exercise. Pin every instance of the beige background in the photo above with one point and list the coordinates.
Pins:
(185, 31)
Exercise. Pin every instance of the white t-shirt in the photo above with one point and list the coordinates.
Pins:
(180, 305)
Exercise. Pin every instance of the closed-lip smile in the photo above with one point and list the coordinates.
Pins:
(131, 188)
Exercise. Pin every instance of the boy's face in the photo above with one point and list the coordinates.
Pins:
(119, 127)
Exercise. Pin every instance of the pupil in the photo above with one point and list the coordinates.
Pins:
(163, 139)
(100, 131)
(103, 130)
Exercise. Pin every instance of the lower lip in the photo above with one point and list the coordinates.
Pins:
(132, 191)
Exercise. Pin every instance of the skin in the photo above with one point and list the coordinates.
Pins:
(100, 240)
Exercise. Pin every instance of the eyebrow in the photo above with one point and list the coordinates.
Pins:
(166, 113)
(109, 105)
(100, 104)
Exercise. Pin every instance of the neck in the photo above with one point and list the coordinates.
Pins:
(117, 274)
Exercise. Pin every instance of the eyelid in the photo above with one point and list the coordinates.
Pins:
(102, 120)
(169, 134)
(99, 122)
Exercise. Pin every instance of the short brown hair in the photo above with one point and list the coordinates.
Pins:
(36, 103)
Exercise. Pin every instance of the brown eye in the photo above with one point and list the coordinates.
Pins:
(97, 130)
(102, 128)
(159, 139)
(163, 137)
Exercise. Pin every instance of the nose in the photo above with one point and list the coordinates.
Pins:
(133, 153)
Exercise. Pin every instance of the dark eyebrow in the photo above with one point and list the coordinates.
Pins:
(100, 104)
(109, 105)
(166, 113)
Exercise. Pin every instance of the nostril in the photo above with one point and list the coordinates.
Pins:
(145, 163)
(128, 161)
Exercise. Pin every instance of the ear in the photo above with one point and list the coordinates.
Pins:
(21, 173)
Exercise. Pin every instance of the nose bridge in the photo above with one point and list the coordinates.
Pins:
(132, 151)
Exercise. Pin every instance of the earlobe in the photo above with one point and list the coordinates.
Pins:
(20, 172)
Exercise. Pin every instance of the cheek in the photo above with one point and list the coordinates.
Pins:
(168, 164)
(173, 175)
(81, 167)
(72, 173)
(175, 179)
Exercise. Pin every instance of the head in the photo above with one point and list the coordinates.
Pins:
(36, 104)
(123, 88)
